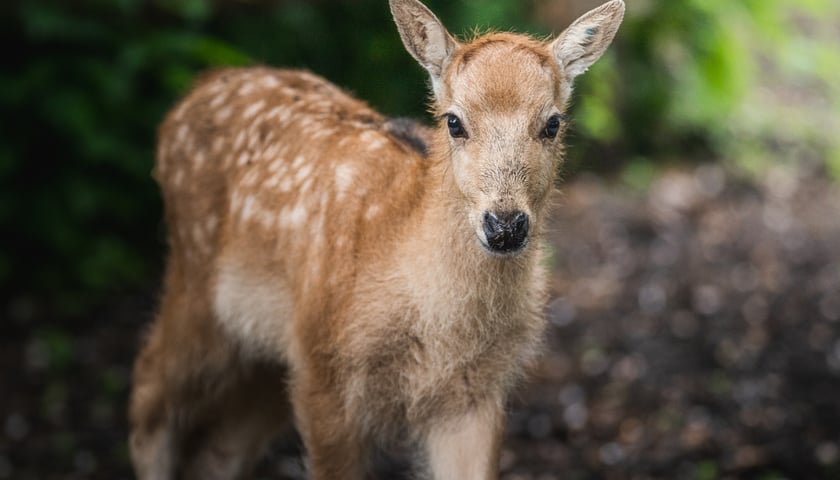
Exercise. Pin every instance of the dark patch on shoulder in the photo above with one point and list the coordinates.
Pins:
(365, 119)
(410, 133)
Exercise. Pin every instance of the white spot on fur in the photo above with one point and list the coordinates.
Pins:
(270, 82)
(292, 216)
(248, 207)
(315, 270)
(218, 100)
(270, 153)
(372, 211)
(297, 215)
(183, 130)
(271, 182)
(280, 114)
(199, 159)
(198, 236)
(274, 166)
(215, 88)
(178, 178)
(321, 133)
(243, 159)
(373, 139)
(303, 173)
(298, 161)
(310, 77)
(318, 231)
(305, 186)
(250, 178)
(223, 114)
(253, 109)
(286, 184)
(266, 219)
(245, 89)
(253, 137)
(211, 222)
(240, 140)
(343, 178)
(235, 201)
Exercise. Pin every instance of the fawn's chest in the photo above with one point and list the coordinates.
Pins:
(437, 352)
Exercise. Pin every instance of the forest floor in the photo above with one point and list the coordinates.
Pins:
(694, 333)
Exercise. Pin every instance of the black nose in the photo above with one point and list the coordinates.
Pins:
(506, 231)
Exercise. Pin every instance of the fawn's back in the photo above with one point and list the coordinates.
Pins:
(277, 182)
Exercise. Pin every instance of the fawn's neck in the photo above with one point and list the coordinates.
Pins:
(467, 299)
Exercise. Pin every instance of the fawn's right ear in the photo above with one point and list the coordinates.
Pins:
(424, 36)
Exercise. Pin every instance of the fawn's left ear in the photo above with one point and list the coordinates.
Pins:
(580, 45)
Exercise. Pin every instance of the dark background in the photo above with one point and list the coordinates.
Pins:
(696, 321)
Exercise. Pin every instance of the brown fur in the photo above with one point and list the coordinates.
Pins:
(318, 257)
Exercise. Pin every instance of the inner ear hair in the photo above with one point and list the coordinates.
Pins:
(423, 35)
(586, 39)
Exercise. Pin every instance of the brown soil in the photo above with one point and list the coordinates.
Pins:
(695, 333)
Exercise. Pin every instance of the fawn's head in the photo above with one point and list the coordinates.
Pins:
(500, 100)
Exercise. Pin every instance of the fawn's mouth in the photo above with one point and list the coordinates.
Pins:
(507, 250)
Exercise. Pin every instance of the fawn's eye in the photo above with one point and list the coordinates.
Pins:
(456, 129)
(552, 126)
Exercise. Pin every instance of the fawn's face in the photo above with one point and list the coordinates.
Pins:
(503, 108)
(501, 100)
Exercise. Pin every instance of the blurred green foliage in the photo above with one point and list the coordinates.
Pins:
(90, 79)
(750, 82)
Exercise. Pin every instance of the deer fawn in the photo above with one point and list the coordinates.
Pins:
(378, 281)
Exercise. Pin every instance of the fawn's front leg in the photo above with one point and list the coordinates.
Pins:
(467, 447)
(333, 445)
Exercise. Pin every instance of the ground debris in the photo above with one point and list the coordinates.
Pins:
(694, 332)
(700, 321)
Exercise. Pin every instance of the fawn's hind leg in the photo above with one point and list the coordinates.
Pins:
(211, 423)
(198, 409)
(240, 425)
(153, 441)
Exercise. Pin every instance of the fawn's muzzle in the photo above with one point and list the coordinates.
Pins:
(506, 232)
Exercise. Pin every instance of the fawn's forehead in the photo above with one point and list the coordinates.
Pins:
(504, 73)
